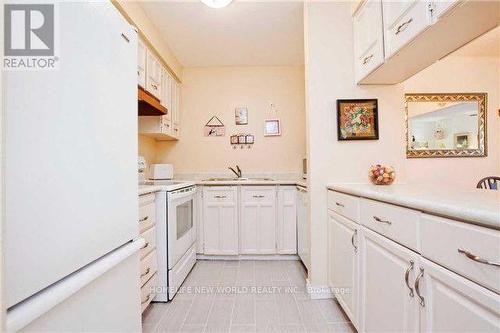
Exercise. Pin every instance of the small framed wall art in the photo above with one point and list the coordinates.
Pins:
(214, 127)
(357, 119)
(272, 127)
(241, 116)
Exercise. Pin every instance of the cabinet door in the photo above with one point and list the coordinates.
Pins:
(141, 64)
(368, 38)
(287, 220)
(403, 21)
(258, 220)
(153, 75)
(388, 302)
(455, 304)
(344, 263)
(220, 221)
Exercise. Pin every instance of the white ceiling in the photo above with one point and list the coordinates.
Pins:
(246, 33)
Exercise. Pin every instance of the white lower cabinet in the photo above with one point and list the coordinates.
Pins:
(455, 304)
(258, 220)
(388, 302)
(220, 219)
(247, 220)
(343, 265)
(397, 289)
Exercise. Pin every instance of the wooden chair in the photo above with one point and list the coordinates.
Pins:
(489, 183)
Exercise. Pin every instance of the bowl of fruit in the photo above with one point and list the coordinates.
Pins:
(381, 175)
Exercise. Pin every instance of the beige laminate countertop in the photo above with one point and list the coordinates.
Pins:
(475, 206)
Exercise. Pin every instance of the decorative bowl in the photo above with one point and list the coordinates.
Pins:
(381, 175)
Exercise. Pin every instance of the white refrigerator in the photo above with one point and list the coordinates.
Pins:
(71, 212)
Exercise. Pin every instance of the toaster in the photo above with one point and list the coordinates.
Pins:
(161, 171)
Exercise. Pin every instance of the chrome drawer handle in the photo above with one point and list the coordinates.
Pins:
(146, 300)
(145, 273)
(145, 245)
(219, 196)
(478, 259)
(402, 27)
(355, 234)
(378, 219)
(367, 59)
(143, 219)
(339, 204)
(259, 196)
(407, 274)
(417, 287)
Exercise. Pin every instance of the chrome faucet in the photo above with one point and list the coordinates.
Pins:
(237, 172)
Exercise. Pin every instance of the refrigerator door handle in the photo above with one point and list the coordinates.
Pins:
(30, 309)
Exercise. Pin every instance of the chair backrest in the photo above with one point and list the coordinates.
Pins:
(489, 183)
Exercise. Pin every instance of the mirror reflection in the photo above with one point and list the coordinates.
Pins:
(445, 125)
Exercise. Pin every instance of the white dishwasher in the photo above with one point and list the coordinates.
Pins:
(303, 230)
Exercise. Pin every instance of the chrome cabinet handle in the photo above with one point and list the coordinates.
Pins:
(367, 59)
(259, 196)
(478, 259)
(146, 300)
(339, 204)
(402, 27)
(407, 274)
(143, 219)
(145, 245)
(378, 219)
(220, 196)
(145, 273)
(355, 234)
(417, 287)
(125, 37)
(139, 73)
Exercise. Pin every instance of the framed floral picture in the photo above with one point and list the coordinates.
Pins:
(357, 119)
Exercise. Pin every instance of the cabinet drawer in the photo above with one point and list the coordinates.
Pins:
(403, 21)
(146, 199)
(258, 194)
(397, 223)
(146, 217)
(147, 292)
(219, 194)
(148, 267)
(344, 204)
(150, 238)
(478, 241)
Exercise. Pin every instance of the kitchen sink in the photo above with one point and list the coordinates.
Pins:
(236, 179)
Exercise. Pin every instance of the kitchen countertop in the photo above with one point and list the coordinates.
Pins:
(145, 189)
(475, 206)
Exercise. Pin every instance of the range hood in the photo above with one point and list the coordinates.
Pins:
(149, 105)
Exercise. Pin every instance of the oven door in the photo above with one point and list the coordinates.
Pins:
(181, 232)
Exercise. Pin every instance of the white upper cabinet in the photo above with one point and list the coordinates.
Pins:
(153, 75)
(141, 64)
(403, 21)
(402, 38)
(368, 38)
(258, 220)
(175, 91)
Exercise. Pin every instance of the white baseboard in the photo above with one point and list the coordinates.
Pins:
(249, 257)
(319, 292)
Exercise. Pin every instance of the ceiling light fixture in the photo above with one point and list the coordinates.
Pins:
(216, 3)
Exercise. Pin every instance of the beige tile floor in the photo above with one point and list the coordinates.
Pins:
(245, 296)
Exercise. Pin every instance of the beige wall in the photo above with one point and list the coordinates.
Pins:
(460, 74)
(217, 91)
(330, 76)
(135, 12)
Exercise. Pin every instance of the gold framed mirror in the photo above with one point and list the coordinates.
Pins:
(446, 125)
